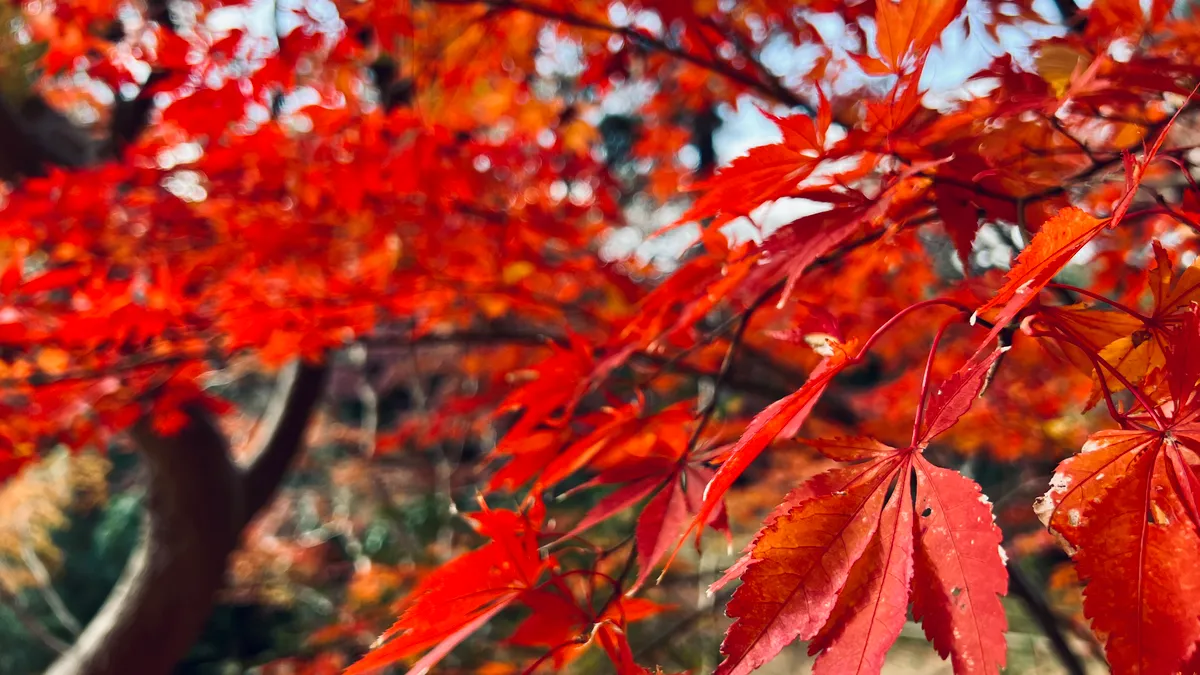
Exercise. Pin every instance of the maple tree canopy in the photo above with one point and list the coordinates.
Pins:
(965, 272)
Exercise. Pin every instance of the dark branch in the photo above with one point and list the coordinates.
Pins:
(198, 501)
(282, 434)
(770, 88)
(164, 596)
(1071, 18)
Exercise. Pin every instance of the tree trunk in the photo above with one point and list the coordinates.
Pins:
(198, 501)
(167, 589)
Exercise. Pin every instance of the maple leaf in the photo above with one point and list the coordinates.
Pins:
(544, 394)
(959, 573)
(558, 619)
(953, 398)
(873, 606)
(1086, 329)
(826, 483)
(799, 566)
(1142, 351)
(851, 449)
(833, 563)
(1051, 249)
(766, 172)
(1183, 354)
(1135, 345)
(961, 220)
(616, 501)
(911, 27)
(1125, 508)
(836, 569)
(666, 516)
(464, 594)
(343, 191)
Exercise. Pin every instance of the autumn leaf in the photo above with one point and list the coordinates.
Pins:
(618, 500)
(666, 516)
(463, 595)
(953, 398)
(833, 481)
(567, 626)
(960, 217)
(911, 27)
(447, 203)
(799, 566)
(959, 572)
(851, 449)
(785, 413)
(1136, 345)
(1135, 556)
(766, 173)
(872, 608)
(1125, 508)
(835, 568)
(1183, 356)
(1051, 249)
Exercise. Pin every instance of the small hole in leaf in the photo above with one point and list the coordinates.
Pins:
(928, 510)
(955, 591)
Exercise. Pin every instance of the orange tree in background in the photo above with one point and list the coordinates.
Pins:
(360, 174)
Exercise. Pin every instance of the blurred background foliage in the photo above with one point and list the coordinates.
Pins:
(320, 574)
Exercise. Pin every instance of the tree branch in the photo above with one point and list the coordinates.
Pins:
(44, 584)
(198, 501)
(168, 588)
(772, 88)
(35, 136)
(285, 423)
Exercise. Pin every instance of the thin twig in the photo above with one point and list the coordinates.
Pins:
(770, 89)
(684, 624)
(45, 586)
(31, 624)
(726, 365)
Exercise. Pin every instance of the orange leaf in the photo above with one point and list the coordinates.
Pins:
(871, 610)
(1125, 506)
(911, 27)
(766, 173)
(959, 573)
(800, 564)
(1052, 248)
(461, 596)
(1139, 563)
(785, 414)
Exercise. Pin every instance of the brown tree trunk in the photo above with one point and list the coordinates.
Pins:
(198, 501)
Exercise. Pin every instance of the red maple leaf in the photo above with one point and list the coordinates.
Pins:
(836, 563)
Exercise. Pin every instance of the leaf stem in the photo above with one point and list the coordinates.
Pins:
(937, 338)
(1096, 296)
(900, 315)
(1097, 362)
